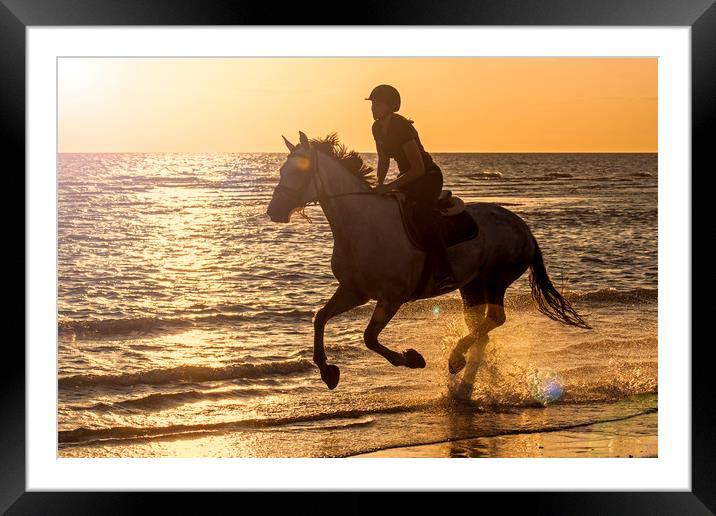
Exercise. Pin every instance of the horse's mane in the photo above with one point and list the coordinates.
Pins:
(350, 159)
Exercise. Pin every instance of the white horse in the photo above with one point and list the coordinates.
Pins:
(373, 259)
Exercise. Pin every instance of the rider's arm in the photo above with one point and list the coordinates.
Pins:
(383, 163)
(417, 167)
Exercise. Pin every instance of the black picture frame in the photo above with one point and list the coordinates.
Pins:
(699, 15)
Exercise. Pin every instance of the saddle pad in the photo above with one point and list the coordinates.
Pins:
(454, 228)
(458, 228)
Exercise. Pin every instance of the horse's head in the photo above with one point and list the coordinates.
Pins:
(295, 186)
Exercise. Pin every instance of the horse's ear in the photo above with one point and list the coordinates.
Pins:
(303, 139)
(290, 145)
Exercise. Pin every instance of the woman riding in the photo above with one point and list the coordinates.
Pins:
(419, 178)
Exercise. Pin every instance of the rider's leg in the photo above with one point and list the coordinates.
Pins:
(424, 192)
(427, 219)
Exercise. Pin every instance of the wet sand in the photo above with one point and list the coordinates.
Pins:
(635, 437)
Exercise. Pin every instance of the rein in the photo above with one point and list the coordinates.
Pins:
(297, 194)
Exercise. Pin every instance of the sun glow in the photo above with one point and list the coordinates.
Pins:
(245, 104)
(78, 77)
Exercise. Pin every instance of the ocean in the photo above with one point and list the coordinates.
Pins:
(184, 313)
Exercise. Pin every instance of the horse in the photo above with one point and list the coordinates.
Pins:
(373, 258)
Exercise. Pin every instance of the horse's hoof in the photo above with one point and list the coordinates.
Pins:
(463, 392)
(456, 362)
(413, 359)
(331, 374)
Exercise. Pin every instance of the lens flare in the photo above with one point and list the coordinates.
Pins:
(303, 164)
(546, 386)
(437, 310)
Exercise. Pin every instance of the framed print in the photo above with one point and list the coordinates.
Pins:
(204, 308)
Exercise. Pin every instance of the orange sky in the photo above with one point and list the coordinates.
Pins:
(458, 104)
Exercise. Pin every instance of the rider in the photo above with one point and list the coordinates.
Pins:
(419, 177)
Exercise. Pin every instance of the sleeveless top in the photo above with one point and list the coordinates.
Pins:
(400, 130)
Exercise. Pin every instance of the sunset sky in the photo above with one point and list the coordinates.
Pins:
(458, 104)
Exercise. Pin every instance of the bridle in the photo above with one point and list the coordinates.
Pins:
(295, 195)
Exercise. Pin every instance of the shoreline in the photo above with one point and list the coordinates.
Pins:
(631, 438)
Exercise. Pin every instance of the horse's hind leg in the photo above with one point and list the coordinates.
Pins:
(382, 314)
(341, 301)
(474, 306)
(475, 355)
(484, 311)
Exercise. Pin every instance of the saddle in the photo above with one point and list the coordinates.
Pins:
(455, 223)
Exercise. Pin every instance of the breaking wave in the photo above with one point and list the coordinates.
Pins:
(187, 374)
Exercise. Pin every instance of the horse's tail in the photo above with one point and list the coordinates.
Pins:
(549, 301)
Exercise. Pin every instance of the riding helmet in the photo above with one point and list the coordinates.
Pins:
(387, 94)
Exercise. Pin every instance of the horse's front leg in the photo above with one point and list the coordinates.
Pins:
(341, 301)
(382, 314)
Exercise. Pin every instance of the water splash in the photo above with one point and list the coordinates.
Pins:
(546, 385)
